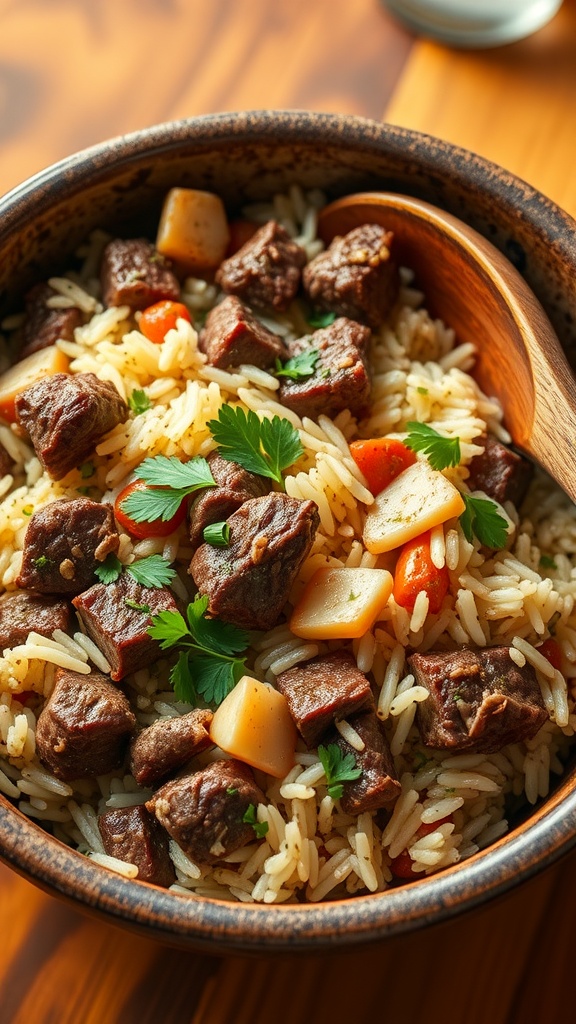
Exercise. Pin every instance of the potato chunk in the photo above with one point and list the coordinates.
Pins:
(253, 723)
(193, 229)
(417, 500)
(341, 603)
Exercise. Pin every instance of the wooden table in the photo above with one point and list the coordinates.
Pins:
(75, 73)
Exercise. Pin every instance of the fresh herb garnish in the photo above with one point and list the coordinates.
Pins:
(139, 402)
(298, 367)
(262, 446)
(441, 451)
(338, 768)
(422, 391)
(482, 518)
(137, 607)
(260, 827)
(231, 790)
(170, 481)
(317, 319)
(87, 470)
(217, 534)
(153, 571)
(27, 510)
(547, 562)
(209, 665)
(42, 562)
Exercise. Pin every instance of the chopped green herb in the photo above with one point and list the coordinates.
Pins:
(482, 518)
(84, 490)
(456, 697)
(137, 607)
(27, 510)
(217, 534)
(441, 451)
(153, 571)
(547, 562)
(110, 569)
(260, 827)
(139, 402)
(298, 367)
(231, 790)
(319, 319)
(209, 666)
(42, 562)
(87, 470)
(338, 768)
(262, 446)
(352, 596)
(170, 481)
(422, 391)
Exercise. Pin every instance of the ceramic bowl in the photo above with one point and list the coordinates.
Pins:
(243, 157)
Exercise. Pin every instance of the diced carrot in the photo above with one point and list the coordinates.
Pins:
(44, 363)
(551, 650)
(157, 320)
(241, 231)
(415, 571)
(156, 528)
(381, 460)
(401, 866)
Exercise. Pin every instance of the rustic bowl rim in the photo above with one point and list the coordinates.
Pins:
(225, 926)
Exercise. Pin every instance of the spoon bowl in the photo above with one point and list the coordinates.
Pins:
(474, 289)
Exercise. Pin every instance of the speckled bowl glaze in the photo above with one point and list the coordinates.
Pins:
(247, 156)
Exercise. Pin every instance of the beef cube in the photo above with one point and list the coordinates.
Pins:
(167, 745)
(133, 273)
(6, 462)
(133, 835)
(324, 690)
(500, 472)
(341, 377)
(266, 271)
(479, 699)
(249, 581)
(20, 613)
(65, 543)
(43, 326)
(84, 727)
(234, 486)
(355, 276)
(232, 335)
(65, 416)
(120, 629)
(378, 785)
(203, 811)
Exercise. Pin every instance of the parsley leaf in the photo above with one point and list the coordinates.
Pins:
(110, 569)
(262, 446)
(319, 319)
(482, 518)
(217, 534)
(249, 816)
(338, 768)
(300, 366)
(139, 402)
(170, 481)
(209, 666)
(547, 562)
(42, 562)
(441, 451)
(153, 571)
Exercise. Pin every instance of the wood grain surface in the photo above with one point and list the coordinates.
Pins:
(74, 72)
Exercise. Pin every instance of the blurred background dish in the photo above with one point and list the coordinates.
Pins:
(474, 23)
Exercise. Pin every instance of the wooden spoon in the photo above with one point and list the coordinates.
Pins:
(473, 288)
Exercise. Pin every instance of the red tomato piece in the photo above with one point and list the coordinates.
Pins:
(156, 320)
(551, 650)
(415, 571)
(427, 827)
(157, 528)
(381, 460)
(241, 231)
(401, 866)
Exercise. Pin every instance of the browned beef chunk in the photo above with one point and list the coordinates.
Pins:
(266, 271)
(203, 811)
(500, 472)
(341, 378)
(84, 727)
(324, 690)
(133, 835)
(232, 335)
(167, 745)
(118, 628)
(249, 581)
(234, 486)
(355, 276)
(65, 543)
(21, 612)
(478, 699)
(378, 785)
(134, 274)
(6, 462)
(43, 326)
(66, 415)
